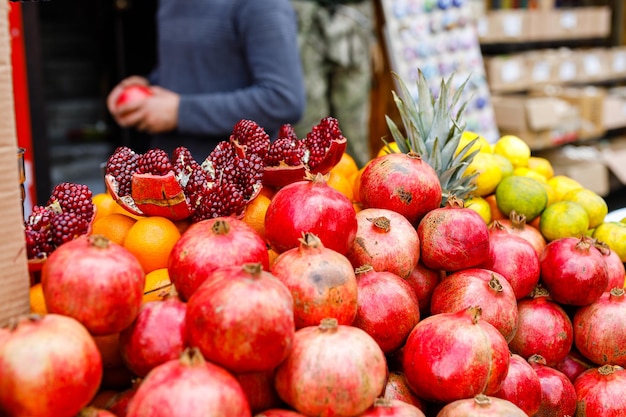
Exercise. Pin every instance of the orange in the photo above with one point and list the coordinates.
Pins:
(254, 214)
(272, 255)
(356, 182)
(157, 286)
(119, 209)
(104, 204)
(346, 165)
(496, 213)
(37, 300)
(268, 191)
(340, 183)
(151, 240)
(114, 226)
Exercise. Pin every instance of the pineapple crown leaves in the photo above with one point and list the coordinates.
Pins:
(433, 133)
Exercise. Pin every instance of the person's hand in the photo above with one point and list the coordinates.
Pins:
(158, 113)
(117, 90)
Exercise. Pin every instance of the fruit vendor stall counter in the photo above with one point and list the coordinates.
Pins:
(14, 299)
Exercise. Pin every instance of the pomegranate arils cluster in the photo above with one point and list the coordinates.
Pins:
(67, 215)
(154, 161)
(121, 165)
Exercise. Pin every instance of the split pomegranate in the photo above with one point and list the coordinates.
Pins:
(516, 224)
(424, 280)
(481, 406)
(600, 327)
(49, 366)
(384, 407)
(321, 280)
(478, 287)
(573, 270)
(521, 386)
(95, 281)
(191, 387)
(403, 183)
(558, 396)
(332, 370)
(157, 335)
(398, 389)
(386, 240)
(600, 392)
(133, 94)
(250, 336)
(514, 258)
(259, 389)
(387, 307)
(311, 206)
(544, 328)
(210, 244)
(450, 356)
(453, 237)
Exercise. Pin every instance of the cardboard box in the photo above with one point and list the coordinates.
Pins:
(504, 25)
(614, 111)
(506, 73)
(594, 65)
(14, 297)
(617, 62)
(584, 164)
(596, 21)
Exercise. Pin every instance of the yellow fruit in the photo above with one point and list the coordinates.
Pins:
(562, 184)
(391, 147)
(594, 204)
(505, 165)
(525, 195)
(514, 149)
(541, 165)
(550, 191)
(527, 172)
(346, 165)
(481, 145)
(563, 219)
(480, 206)
(614, 235)
(340, 183)
(157, 286)
(489, 174)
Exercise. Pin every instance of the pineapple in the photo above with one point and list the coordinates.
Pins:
(433, 133)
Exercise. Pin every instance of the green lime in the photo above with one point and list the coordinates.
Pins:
(563, 219)
(593, 203)
(523, 194)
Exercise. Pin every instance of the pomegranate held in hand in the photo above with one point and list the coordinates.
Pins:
(133, 94)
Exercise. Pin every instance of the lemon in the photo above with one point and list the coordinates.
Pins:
(525, 195)
(481, 145)
(541, 165)
(563, 219)
(505, 165)
(514, 149)
(594, 204)
(489, 174)
(614, 235)
(480, 206)
(527, 172)
(550, 191)
(562, 184)
(391, 147)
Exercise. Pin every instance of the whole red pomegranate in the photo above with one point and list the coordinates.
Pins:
(450, 356)
(49, 366)
(521, 385)
(544, 328)
(133, 94)
(574, 364)
(453, 237)
(321, 280)
(310, 206)
(95, 281)
(251, 336)
(424, 280)
(115, 374)
(516, 224)
(601, 326)
(600, 392)
(386, 240)
(189, 386)
(478, 287)
(514, 258)
(398, 389)
(279, 412)
(211, 244)
(259, 389)
(614, 266)
(384, 407)
(558, 396)
(157, 335)
(481, 406)
(387, 307)
(403, 183)
(332, 370)
(573, 270)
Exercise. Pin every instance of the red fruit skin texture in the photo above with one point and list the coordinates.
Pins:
(521, 386)
(133, 94)
(514, 258)
(232, 333)
(159, 195)
(600, 329)
(398, 389)
(95, 281)
(450, 356)
(403, 183)
(259, 389)
(157, 335)
(529, 233)
(573, 271)
(392, 408)
(387, 308)
(424, 280)
(332, 370)
(600, 392)
(475, 407)
(211, 244)
(278, 412)
(453, 238)
(310, 206)
(574, 364)
(321, 281)
(544, 328)
(49, 366)
(615, 269)
(558, 395)
(393, 249)
(482, 287)
(189, 388)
